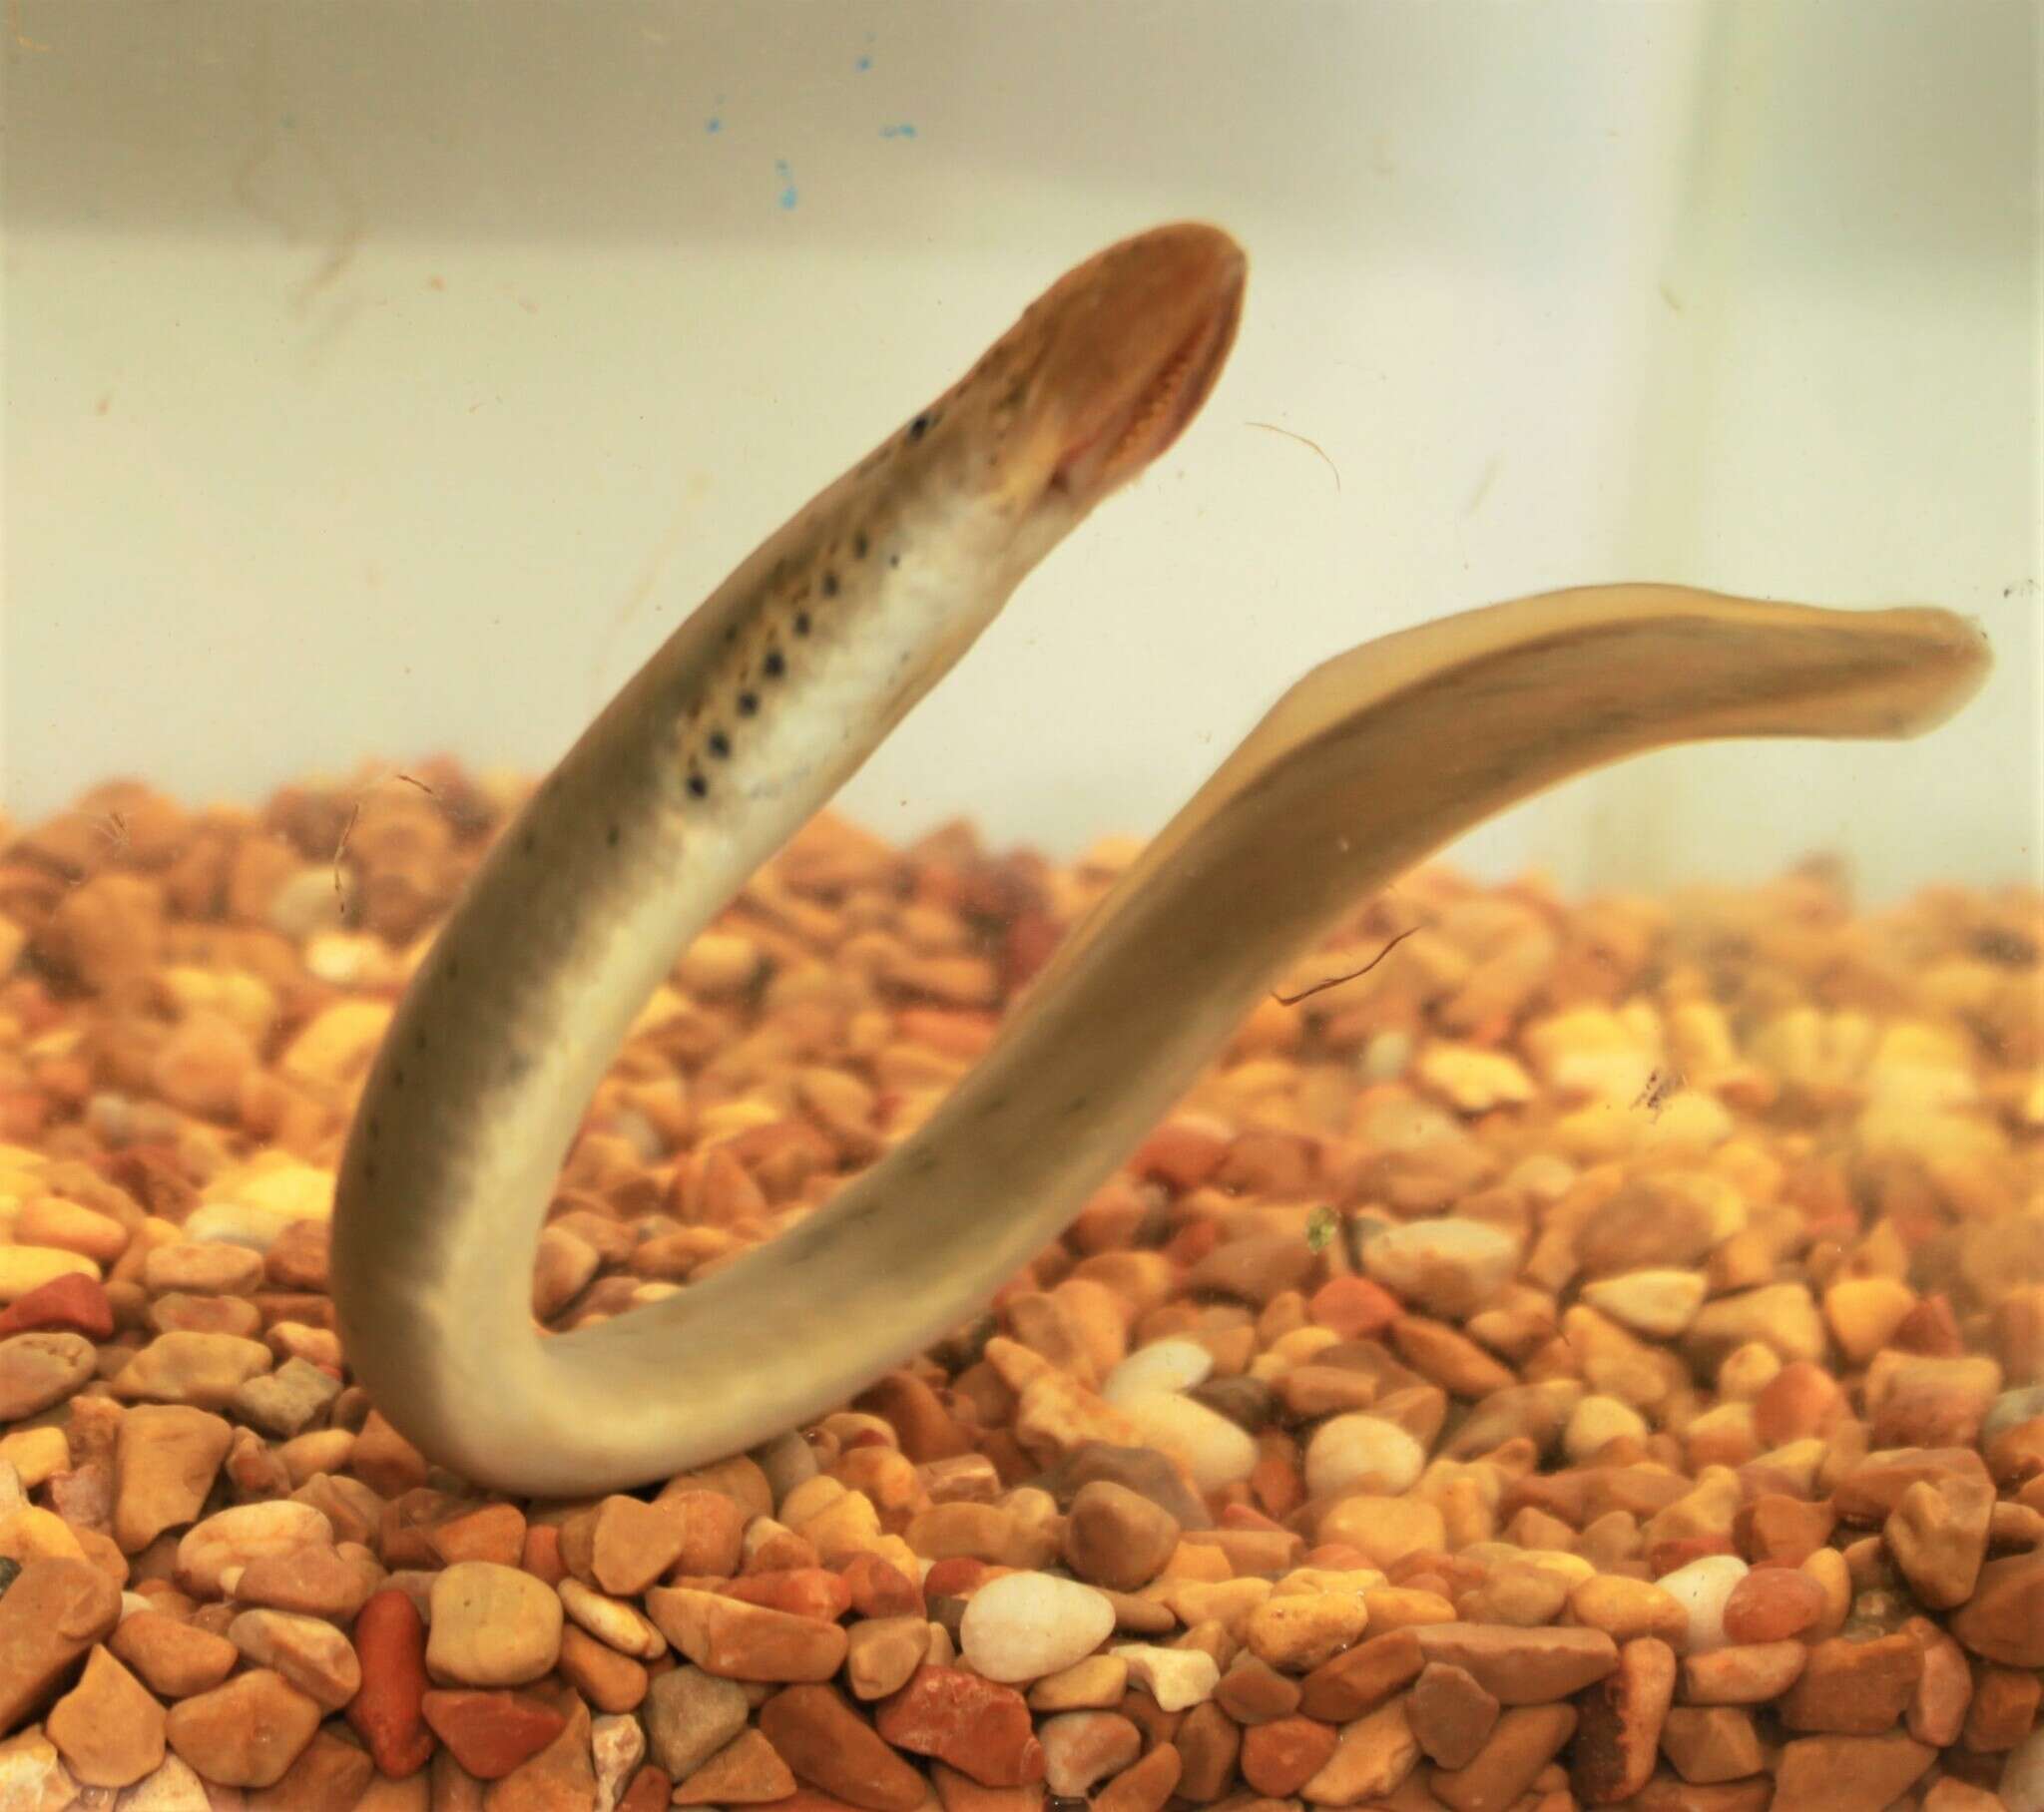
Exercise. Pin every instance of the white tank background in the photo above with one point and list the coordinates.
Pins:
(389, 379)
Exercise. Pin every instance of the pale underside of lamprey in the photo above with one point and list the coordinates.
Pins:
(751, 718)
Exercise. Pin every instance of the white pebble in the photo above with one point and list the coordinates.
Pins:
(1661, 1302)
(1026, 1624)
(1447, 1266)
(1702, 1587)
(1214, 1451)
(1162, 1365)
(1362, 1452)
(1177, 1678)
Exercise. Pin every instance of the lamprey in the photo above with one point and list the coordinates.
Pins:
(756, 710)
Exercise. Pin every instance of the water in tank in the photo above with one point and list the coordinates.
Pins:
(926, 904)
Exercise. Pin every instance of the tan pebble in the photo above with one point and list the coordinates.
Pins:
(1147, 1787)
(1625, 1609)
(1451, 1715)
(609, 1682)
(1848, 1773)
(1522, 1666)
(200, 1369)
(36, 1453)
(1093, 1684)
(53, 1613)
(246, 1733)
(1081, 1748)
(1298, 1632)
(1661, 1303)
(882, 1653)
(492, 1625)
(1373, 1757)
(738, 1640)
(1404, 1607)
(168, 1456)
(239, 1535)
(611, 1621)
(1708, 1744)
(204, 1268)
(1937, 1534)
(108, 1727)
(175, 1658)
(1782, 1317)
(746, 1772)
(1945, 1689)
(35, 1534)
(314, 1581)
(1596, 1422)
(1518, 1748)
(308, 1652)
(1864, 1313)
(2003, 1621)
(1116, 1537)
(1748, 1673)
(50, 1221)
(1524, 1597)
(1827, 1566)
(324, 1450)
(40, 1370)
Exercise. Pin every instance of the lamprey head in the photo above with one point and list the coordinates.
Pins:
(1098, 378)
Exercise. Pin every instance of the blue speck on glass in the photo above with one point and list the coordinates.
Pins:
(897, 132)
(713, 123)
(863, 64)
(787, 178)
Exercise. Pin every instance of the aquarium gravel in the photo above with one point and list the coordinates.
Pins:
(1566, 1353)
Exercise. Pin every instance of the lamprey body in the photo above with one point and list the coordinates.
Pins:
(754, 714)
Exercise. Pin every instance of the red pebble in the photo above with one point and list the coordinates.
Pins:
(74, 1303)
(803, 1592)
(879, 1588)
(1930, 1329)
(390, 1644)
(649, 1791)
(542, 1557)
(490, 1733)
(1773, 1604)
(955, 1578)
(974, 1726)
(1353, 1307)
(1241, 1516)
(1183, 1152)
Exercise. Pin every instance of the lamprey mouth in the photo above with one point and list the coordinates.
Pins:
(1144, 428)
